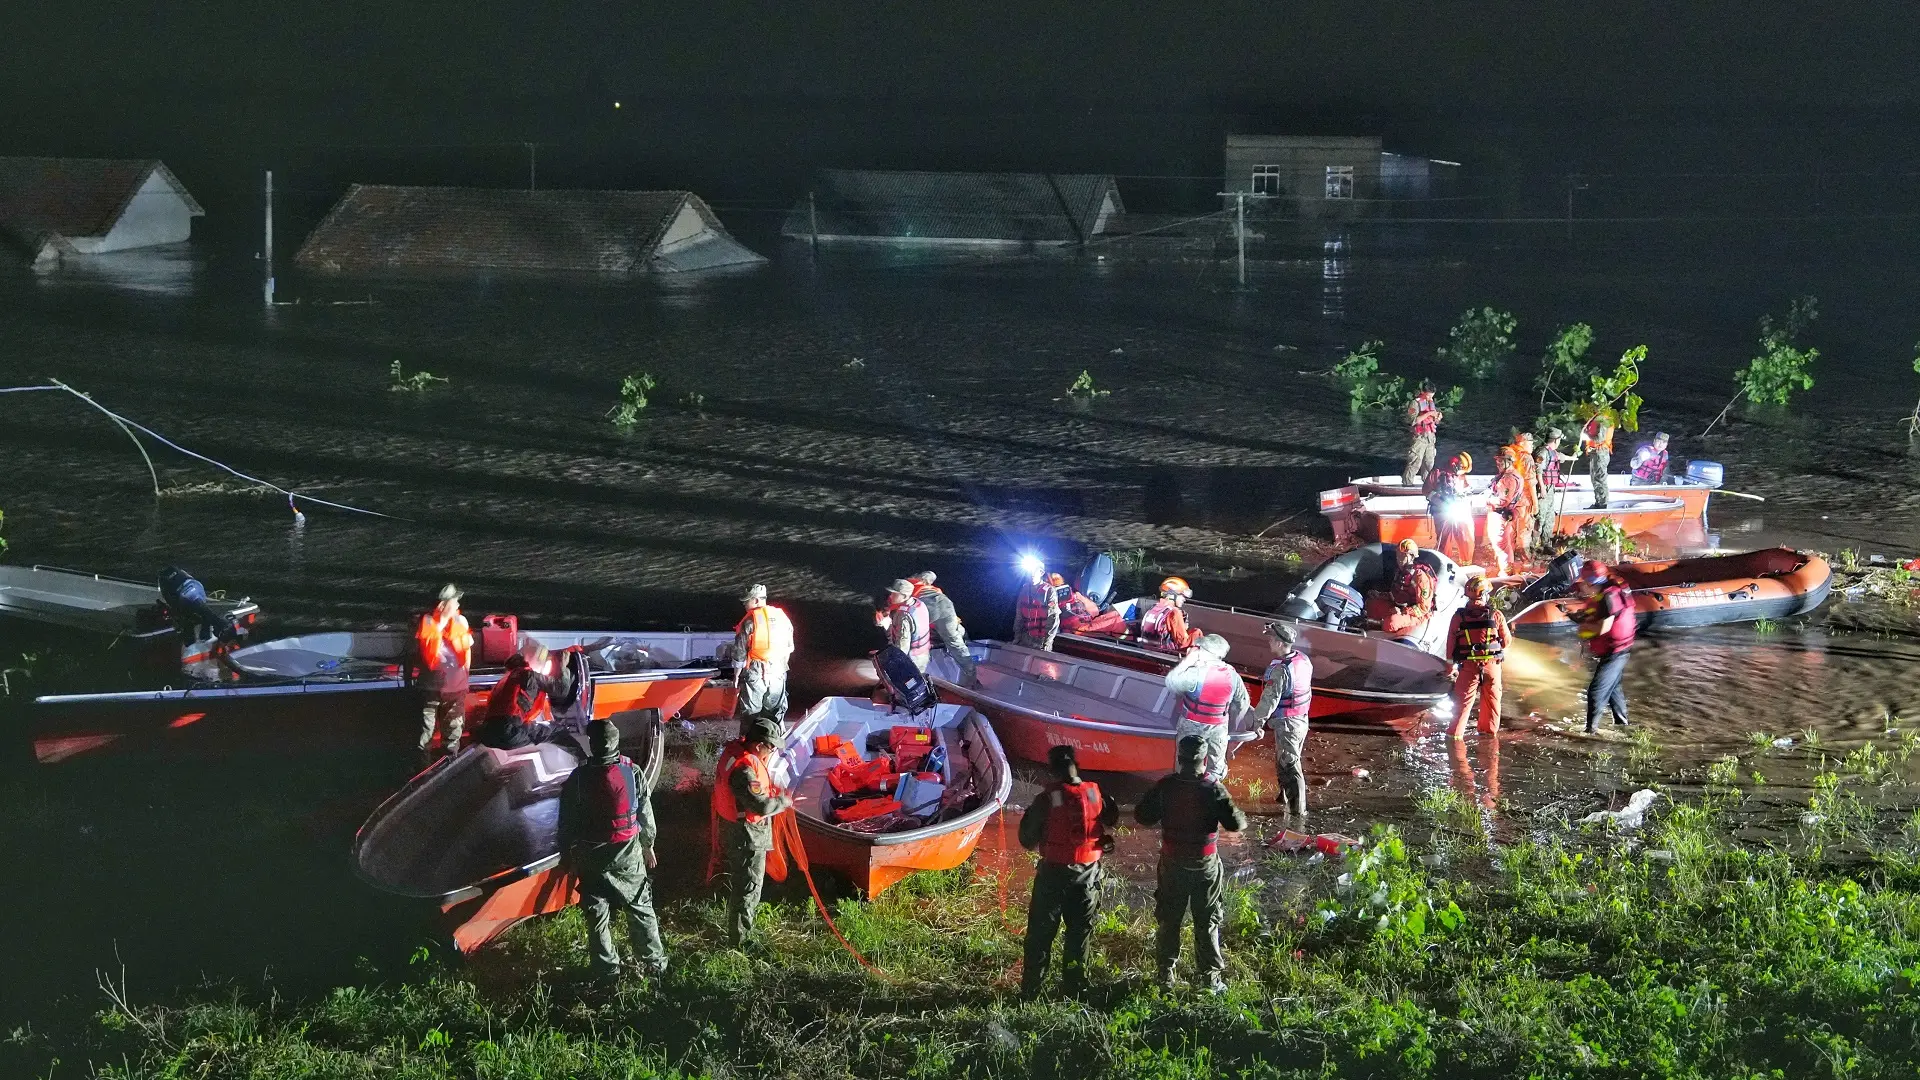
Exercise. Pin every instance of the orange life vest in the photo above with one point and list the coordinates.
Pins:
(1481, 637)
(1592, 432)
(1073, 824)
(769, 634)
(1209, 703)
(1413, 588)
(734, 757)
(452, 632)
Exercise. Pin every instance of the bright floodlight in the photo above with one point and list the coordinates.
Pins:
(1031, 564)
(1458, 510)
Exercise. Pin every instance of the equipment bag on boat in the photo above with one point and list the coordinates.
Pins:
(904, 679)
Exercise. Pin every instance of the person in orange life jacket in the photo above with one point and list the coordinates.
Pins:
(1068, 824)
(1452, 508)
(1477, 643)
(1596, 440)
(1505, 500)
(1608, 624)
(762, 648)
(1164, 626)
(947, 627)
(1423, 419)
(1520, 529)
(1407, 603)
(607, 833)
(1649, 461)
(1036, 611)
(444, 652)
(906, 623)
(516, 699)
(1213, 698)
(1285, 703)
(744, 803)
(1190, 809)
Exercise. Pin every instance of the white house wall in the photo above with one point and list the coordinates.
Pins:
(688, 227)
(156, 215)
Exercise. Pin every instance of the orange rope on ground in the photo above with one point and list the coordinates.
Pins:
(786, 835)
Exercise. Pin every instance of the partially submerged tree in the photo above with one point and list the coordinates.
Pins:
(1480, 342)
(633, 399)
(1783, 366)
(1586, 389)
(1564, 367)
(1370, 388)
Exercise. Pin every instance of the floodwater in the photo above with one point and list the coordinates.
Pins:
(824, 427)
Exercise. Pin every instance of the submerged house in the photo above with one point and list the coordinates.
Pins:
(57, 207)
(948, 208)
(379, 227)
(1328, 176)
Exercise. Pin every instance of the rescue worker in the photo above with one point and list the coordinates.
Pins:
(1477, 643)
(1036, 611)
(1067, 825)
(1408, 602)
(744, 803)
(1596, 441)
(1519, 531)
(1452, 508)
(445, 653)
(1505, 498)
(516, 699)
(1164, 626)
(1608, 625)
(1213, 698)
(762, 648)
(1547, 461)
(1285, 704)
(1649, 462)
(947, 628)
(1423, 419)
(908, 627)
(607, 831)
(1190, 810)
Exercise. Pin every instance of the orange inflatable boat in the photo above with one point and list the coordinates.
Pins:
(1771, 583)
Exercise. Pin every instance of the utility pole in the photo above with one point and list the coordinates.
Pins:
(813, 224)
(266, 251)
(533, 159)
(1573, 184)
(1240, 230)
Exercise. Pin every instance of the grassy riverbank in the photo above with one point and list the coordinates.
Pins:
(1669, 952)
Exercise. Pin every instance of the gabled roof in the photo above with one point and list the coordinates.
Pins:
(43, 196)
(1007, 207)
(379, 227)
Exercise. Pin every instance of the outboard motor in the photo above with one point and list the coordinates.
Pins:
(904, 681)
(571, 699)
(185, 600)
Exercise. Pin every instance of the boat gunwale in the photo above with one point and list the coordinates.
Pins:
(1382, 697)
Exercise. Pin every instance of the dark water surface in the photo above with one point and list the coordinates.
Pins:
(860, 419)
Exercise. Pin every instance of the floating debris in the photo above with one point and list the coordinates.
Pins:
(1628, 816)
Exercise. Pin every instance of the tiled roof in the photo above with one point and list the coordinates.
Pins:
(42, 196)
(379, 227)
(1036, 208)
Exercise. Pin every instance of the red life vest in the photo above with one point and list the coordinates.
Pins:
(1413, 588)
(1208, 704)
(1153, 625)
(1593, 430)
(920, 641)
(513, 696)
(1032, 614)
(734, 757)
(609, 802)
(1293, 682)
(1073, 824)
(1480, 638)
(1650, 470)
(1426, 417)
(1187, 828)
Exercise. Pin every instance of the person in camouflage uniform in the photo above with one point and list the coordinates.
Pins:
(607, 832)
(745, 801)
(1190, 809)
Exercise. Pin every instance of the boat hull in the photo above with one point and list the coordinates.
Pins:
(1679, 594)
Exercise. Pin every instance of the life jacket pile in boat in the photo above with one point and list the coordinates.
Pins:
(906, 784)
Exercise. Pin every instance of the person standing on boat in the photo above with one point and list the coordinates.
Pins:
(1067, 824)
(762, 648)
(908, 627)
(445, 652)
(1506, 499)
(517, 699)
(744, 804)
(1285, 703)
(1649, 461)
(1452, 508)
(1213, 698)
(607, 831)
(1547, 461)
(947, 628)
(1596, 439)
(1477, 643)
(1164, 626)
(1608, 625)
(1190, 809)
(1036, 611)
(1423, 418)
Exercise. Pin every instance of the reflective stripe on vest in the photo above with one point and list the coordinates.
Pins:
(1208, 704)
(609, 802)
(1187, 829)
(769, 634)
(1073, 824)
(1153, 625)
(734, 757)
(1479, 638)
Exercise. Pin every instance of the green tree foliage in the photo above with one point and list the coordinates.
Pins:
(1370, 388)
(1083, 388)
(633, 399)
(1913, 424)
(1565, 365)
(1781, 369)
(1589, 390)
(1480, 342)
(400, 381)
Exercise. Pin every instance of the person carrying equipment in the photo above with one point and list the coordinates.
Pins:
(1190, 810)
(1036, 610)
(1608, 624)
(1505, 501)
(762, 649)
(908, 627)
(1596, 440)
(607, 831)
(1423, 419)
(444, 651)
(1649, 462)
(744, 803)
(1477, 642)
(1285, 704)
(1067, 824)
(516, 699)
(1164, 626)
(1213, 698)
(1452, 508)
(947, 628)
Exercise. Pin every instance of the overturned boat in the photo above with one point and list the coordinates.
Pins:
(928, 825)
(1115, 718)
(1673, 594)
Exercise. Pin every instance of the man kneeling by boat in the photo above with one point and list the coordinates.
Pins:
(1190, 809)
(516, 699)
(607, 831)
(1067, 824)
(1212, 700)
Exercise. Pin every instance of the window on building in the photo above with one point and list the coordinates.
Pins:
(1339, 181)
(1266, 179)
